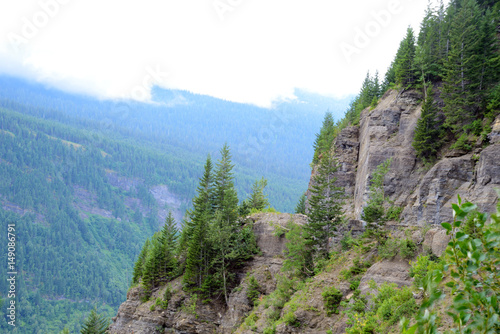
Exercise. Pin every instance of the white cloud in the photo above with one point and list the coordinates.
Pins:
(259, 52)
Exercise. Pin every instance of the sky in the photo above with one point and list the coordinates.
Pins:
(250, 51)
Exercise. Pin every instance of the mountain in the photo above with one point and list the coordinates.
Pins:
(86, 182)
(424, 195)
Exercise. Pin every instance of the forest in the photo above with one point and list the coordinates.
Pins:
(454, 62)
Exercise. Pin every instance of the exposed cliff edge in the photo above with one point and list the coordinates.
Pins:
(424, 194)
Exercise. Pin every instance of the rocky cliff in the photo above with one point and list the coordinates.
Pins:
(424, 193)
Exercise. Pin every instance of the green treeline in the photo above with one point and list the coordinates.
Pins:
(213, 242)
(455, 56)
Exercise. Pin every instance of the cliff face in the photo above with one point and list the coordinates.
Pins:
(182, 317)
(425, 195)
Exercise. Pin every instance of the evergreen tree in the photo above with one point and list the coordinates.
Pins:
(428, 134)
(324, 138)
(374, 211)
(301, 205)
(225, 196)
(139, 264)
(299, 252)
(95, 324)
(257, 199)
(167, 241)
(405, 60)
(152, 267)
(461, 83)
(195, 231)
(325, 202)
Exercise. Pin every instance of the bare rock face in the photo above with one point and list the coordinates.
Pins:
(494, 136)
(436, 240)
(387, 132)
(425, 196)
(386, 271)
(137, 317)
(346, 148)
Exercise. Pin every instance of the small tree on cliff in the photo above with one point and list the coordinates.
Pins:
(428, 133)
(325, 211)
(95, 324)
(374, 211)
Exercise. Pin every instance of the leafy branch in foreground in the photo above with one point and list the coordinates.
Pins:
(475, 281)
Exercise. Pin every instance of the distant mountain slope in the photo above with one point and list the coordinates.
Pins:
(265, 140)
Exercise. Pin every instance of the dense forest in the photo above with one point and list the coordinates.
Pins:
(64, 159)
(454, 63)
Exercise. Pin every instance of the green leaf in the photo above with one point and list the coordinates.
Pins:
(446, 226)
(468, 207)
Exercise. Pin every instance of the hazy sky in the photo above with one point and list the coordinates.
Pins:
(254, 51)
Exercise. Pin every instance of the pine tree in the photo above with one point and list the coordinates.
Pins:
(461, 82)
(167, 241)
(257, 199)
(325, 202)
(95, 324)
(195, 231)
(301, 205)
(324, 138)
(374, 211)
(299, 252)
(139, 264)
(405, 60)
(152, 266)
(225, 196)
(427, 139)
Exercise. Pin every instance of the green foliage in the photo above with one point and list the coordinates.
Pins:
(298, 253)
(325, 202)
(348, 241)
(405, 60)
(257, 198)
(407, 249)
(471, 67)
(331, 298)
(393, 213)
(95, 324)
(389, 248)
(160, 263)
(428, 133)
(190, 305)
(472, 265)
(387, 306)
(421, 267)
(253, 292)
(324, 138)
(301, 205)
(291, 320)
(374, 211)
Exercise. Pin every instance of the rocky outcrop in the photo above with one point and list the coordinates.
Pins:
(424, 195)
(135, 316)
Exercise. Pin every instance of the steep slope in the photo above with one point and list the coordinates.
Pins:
(424, 193)
(185, 314)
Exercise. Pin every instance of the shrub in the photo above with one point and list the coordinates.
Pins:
(418, 269)
(389, 249)
(331, 298)
(354, 283)
(408, 248)
(291, 320)
(253, 290)
(347, 241)
(393, 213)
